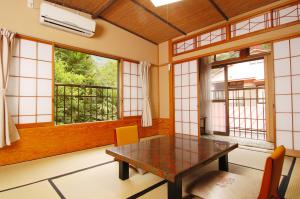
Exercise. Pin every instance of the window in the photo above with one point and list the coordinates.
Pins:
(253, 24)
(286, 15)
(29, 91)
(259, 49)
(224, 56)
(86, 87)
(212, 37)
(273, 18)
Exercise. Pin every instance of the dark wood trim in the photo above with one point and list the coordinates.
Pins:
(158, 17)
(119, 26)
(103, 8)
(218, 8)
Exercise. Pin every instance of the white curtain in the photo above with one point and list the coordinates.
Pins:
(144, 77)
(8, 130)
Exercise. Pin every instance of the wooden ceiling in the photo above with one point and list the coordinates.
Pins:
(159, 24)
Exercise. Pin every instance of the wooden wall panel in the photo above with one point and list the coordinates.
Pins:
(42, 142)
(164, 126)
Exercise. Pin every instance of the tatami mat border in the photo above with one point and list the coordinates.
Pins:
(56, 189)
(285, 181)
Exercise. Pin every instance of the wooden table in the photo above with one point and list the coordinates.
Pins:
(172, 157)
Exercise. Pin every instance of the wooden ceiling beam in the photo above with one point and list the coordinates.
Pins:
(134, 33)
(158, 17)
(215, 5)
(103, 8)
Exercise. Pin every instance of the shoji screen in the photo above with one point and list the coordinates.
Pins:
(29, 91)
(186, 98)
(132, 90)
(287, 92)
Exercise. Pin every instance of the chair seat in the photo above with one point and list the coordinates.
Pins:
(225, 185)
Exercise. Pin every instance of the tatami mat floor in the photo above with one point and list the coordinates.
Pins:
(92, 174)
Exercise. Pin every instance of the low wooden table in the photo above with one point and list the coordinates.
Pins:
(172, 157)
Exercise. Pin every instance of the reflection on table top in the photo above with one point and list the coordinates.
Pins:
(170, 156)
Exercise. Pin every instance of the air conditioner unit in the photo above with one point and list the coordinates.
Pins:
(57, 17)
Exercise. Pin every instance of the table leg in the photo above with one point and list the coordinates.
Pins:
(123, 170)
(223, 163)
(175, 189)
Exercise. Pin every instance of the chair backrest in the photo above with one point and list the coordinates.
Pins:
(126, 135)
(272, 174)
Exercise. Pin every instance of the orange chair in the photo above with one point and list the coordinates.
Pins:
(126, 135)
(225, 185)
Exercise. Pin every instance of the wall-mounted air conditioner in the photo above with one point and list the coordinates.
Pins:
(60, 18)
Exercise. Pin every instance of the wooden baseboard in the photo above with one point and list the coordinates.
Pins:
(45, 141)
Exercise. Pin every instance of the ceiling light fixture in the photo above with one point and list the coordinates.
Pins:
(158, 3)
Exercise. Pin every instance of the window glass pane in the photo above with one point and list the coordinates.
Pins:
(86, 87)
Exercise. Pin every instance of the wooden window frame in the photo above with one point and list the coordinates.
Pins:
(82, 50)
(130, 86)
(228, 26)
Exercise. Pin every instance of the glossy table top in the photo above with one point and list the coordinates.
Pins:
(171, 156)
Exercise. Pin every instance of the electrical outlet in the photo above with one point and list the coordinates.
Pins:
(30, 3)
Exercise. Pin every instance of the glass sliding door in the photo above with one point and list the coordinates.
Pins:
(218, 101)
(237, 100)
(247, 101)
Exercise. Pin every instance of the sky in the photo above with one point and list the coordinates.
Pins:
(101, 61)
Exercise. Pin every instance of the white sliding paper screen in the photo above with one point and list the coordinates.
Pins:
(287, 92)
(132, 90)
(186, 98)
(29, 91)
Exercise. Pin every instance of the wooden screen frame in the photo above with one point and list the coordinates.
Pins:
(227, 25)
(172, 97)
(36, 123)
(122, 87)
(291, 152)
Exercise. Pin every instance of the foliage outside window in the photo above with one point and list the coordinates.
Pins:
(86, 87)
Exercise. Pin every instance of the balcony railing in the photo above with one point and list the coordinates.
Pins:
(85, 103)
